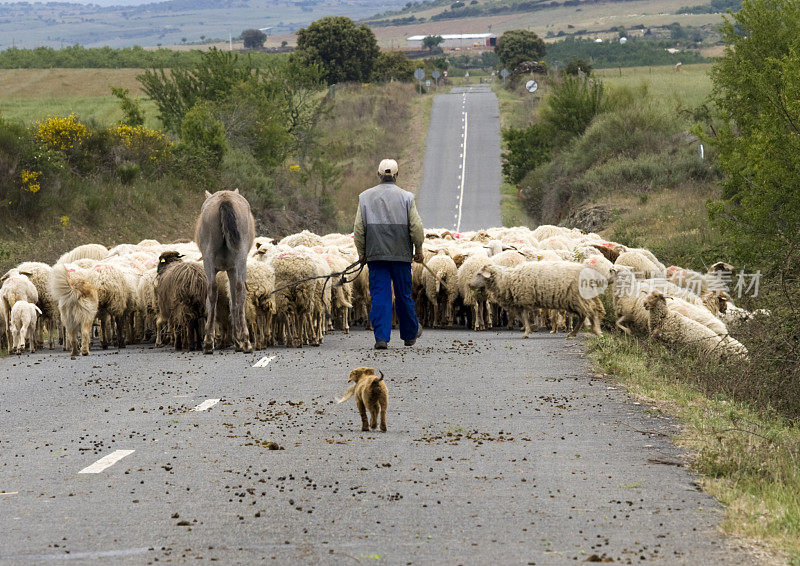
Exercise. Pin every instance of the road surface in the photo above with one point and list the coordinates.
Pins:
(499, 450)
(460, 187)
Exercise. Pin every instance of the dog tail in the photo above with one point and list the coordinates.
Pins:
(347, 395)
(377, 381)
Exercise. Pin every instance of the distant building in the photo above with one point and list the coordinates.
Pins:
(456, 40)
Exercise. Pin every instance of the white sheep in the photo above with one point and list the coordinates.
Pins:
(304, 238)
(542, 285)
(23, 325)
(15, 287)
(39, 274)
(260, 307)
(475, 299)
(679, 330)
(441, 288)
(86, 251)
(77, 298)
(642, 266)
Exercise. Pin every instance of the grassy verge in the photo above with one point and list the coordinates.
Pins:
(512, 210)
(747, 459)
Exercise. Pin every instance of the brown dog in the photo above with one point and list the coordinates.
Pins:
(371, 393)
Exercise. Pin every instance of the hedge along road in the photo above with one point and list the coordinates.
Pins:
(460, 187)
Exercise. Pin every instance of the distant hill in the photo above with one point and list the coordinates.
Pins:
(173, 22)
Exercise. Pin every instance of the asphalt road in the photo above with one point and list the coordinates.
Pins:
(460, 187)
(499, 450)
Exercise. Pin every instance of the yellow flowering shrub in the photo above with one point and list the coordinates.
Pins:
(62, 133)
(146, 143)
(29, 180)
(64, 221)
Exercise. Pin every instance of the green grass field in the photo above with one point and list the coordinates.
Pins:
(688, 87)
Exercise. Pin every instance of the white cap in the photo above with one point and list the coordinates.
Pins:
(387, 167)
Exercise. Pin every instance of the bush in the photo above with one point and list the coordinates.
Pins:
(572, 105)
(517, 46)
(527, 148)
(202, 134)
(393, 66)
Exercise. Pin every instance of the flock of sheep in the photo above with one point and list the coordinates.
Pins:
(488, 278)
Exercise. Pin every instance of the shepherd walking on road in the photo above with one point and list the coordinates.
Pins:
(388, 235)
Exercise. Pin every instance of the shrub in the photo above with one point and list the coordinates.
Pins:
(64, 134)
(132, 109)
(145, 147)
(393, 65)
(517, 46)
(203, 134)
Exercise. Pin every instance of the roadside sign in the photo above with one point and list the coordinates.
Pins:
(436, 74)
(504, 73)
(532, 86)
(419, 74)
(428, 83)
(445, 74)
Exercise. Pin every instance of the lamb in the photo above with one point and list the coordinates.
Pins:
(23, 325)
(15, 287)
(77, 299)
(676, 329)
(541, 285)
(39, 274)
(475, 299)
(181, 299)
(87, 251)
(441, 287)
(642, 266)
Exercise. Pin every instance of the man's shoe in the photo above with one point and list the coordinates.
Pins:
(414, 340)
(381, 345)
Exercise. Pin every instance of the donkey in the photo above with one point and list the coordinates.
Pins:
(225, 231)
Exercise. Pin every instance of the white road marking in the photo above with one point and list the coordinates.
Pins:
(9, 493)
(106, 462)
(463, 174)
(262, 363)
(206, 405)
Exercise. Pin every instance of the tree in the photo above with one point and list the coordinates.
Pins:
(576, 66)
(393, 66)
(517, 46)
(253, 38)
(756, 86)
(432, 41)
(344, 51)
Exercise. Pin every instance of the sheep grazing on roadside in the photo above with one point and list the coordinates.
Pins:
(23, 326)
(181, 298)
(15, 287)
(542, 285)
(628, 294)
(77, 299)
(697, 313)
(96, 252)
(441, 288)
(679, 330)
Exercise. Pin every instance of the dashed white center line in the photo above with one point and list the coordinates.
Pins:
(262, 363)
(463, 174)
(206, 405)
(106, 462)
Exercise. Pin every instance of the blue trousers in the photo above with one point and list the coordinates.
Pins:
(382, 275)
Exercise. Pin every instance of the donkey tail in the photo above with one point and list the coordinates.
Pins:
(230, 231)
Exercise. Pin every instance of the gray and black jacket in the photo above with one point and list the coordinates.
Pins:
(387, 225)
